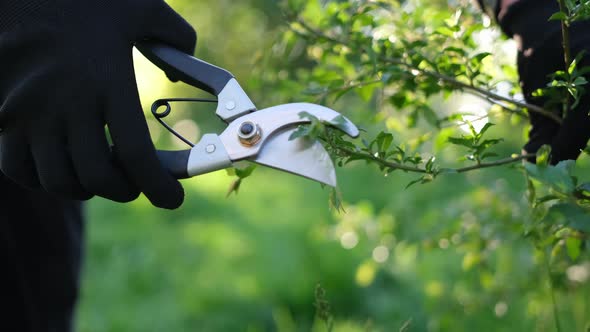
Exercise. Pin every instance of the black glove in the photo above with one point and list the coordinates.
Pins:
(489, 7)
(540, 54)
(67, 71)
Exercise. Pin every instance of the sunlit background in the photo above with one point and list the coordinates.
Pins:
(437, 257)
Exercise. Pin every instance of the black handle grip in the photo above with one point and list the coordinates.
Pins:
(185, 68)
(175, 162)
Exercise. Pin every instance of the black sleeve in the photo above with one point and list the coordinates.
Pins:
(540, 54)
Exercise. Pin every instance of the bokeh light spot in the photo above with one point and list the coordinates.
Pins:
(349, 240)
(380, 254)
(365, 274)
(501, 309)
(188, 129)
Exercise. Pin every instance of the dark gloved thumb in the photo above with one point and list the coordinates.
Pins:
(169, 27)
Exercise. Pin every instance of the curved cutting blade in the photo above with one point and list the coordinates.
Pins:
(301, 156)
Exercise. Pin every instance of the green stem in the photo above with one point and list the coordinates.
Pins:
(552, 293)
(567, 52)
(565, 34)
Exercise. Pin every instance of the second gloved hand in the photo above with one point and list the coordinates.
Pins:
(67, 72)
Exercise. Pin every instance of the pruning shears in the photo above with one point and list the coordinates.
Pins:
(260, 136)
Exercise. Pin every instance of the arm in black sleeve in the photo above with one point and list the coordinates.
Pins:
(540, 54)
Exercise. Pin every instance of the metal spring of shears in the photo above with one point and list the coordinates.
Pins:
(168, 109)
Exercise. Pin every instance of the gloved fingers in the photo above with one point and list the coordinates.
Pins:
(20, 102)
(91, 154)
(133, 146)
(54, 166)
(169, 27)
(574, 133)
(16, 161)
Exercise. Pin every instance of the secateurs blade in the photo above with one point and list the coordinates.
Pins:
(260, 136)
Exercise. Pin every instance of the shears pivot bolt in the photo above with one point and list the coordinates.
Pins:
(249, 133)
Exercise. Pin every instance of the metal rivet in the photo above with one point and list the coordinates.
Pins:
(210, 148)
(247, 128)
(249, 133)
(230, 105)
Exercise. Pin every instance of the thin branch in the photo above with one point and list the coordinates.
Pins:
(352, 86)
(565, 34)
(398, 166)
(567, 51)
(463, 122)
(318, 33)
(506, 108)
(377, 160)
(505, 161)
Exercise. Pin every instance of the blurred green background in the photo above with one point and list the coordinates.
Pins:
(446, 256)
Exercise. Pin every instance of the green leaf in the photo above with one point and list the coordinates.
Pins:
(301, 131)
(572, 68)
(336, 201)
(418, 180)
(547, 198)
(339, 122)
(543, 155)
(384, 141)
(531, 192)
(467, 142)
(559, 177)
(243, 173)
(459, 51)
(485, 128)
(430, 116)
(234, 187)
(584, 188)
(574, 247)
(489, 142)
(580, 81)
(307, 115)
(314, 90)
(430, 163)
(366, 92)
(569, 214)
(480, 56)
(559, 16)
(399, 100)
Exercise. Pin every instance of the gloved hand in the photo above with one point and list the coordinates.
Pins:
(67, 71)
(540, 54)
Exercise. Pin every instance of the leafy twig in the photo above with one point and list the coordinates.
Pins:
(323, 308)
(482, 93)
(414, 169)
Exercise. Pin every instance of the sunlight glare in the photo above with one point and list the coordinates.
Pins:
(476, 114)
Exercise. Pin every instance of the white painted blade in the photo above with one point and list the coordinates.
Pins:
(301, 156)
